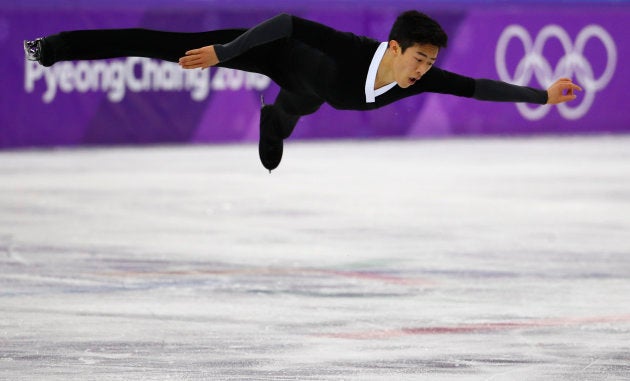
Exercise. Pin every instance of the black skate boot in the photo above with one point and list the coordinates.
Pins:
(270, 145)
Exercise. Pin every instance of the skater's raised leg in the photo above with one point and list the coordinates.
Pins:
(112, 43)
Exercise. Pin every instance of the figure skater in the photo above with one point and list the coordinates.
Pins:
(312, 63)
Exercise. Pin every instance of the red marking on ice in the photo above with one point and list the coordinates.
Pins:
(477, 328)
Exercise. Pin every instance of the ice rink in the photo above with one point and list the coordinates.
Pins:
(462, 259)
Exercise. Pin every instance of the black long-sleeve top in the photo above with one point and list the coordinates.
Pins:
(336, 64)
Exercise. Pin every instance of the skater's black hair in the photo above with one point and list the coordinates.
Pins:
(413, 27)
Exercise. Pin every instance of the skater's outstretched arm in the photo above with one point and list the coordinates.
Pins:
(445, 82)
(561, 91)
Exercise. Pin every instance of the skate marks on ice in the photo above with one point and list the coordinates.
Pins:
(460, 260)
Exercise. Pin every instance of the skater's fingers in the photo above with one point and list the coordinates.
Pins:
(194, 64)
(205, 56)
(191, 59)
(562, 91)
(186, 64)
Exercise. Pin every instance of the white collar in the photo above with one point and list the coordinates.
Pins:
(370, 93)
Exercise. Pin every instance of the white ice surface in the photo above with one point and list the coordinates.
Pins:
(437, 260)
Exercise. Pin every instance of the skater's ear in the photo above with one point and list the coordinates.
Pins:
(395, 47)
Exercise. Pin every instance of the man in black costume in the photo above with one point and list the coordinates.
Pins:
(311, 62)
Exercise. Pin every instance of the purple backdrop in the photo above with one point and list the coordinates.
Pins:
(137, 101)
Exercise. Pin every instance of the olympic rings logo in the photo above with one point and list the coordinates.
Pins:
(572, 65)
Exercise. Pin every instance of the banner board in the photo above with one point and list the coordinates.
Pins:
(142, 101)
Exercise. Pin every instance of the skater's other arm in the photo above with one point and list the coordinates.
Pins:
(282, 26)
(273, 29)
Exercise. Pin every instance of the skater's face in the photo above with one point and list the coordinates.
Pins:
(411, 65)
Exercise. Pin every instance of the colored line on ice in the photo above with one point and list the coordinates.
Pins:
(364, 275)
(478, 327)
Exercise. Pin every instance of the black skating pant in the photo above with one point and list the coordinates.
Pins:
(289, 63)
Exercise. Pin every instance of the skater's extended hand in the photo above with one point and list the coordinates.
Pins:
(199, 58)
(562, 91)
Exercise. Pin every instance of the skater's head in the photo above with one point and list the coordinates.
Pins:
(414, 43)
(413, 27)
